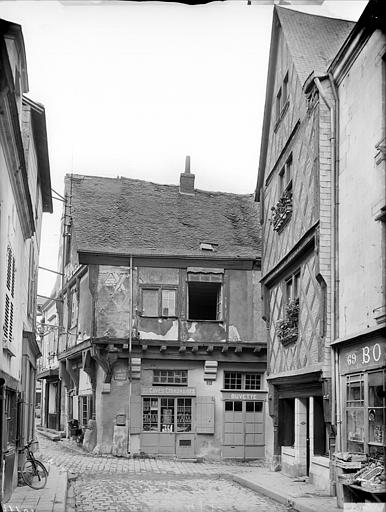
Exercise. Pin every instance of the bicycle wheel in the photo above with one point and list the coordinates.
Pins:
(34, 474)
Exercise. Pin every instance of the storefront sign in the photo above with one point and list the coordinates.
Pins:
(168, 391)
(363, 356)
(244, 396)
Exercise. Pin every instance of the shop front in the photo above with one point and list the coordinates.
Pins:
(169, 422)
(362, 365)
(243, 434)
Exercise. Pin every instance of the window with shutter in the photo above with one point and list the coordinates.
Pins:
(9, 297)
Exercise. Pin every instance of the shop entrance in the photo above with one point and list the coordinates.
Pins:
(243, 429)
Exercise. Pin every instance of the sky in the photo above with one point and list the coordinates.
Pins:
(131, 88)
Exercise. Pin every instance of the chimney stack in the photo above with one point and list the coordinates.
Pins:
(187, 179)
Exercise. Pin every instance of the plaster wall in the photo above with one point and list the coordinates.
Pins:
(362, 190)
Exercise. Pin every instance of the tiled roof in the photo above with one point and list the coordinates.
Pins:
(130, 216)
(313, 41)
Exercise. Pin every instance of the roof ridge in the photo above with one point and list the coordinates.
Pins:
(127, 178)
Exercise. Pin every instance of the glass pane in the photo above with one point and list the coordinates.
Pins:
(377, 425)
(150, 414)
(232, 380)
(168, 303)
(150, 302)
(376, 384)
(252, 381)
(237, 406)
(184, 414)
(167, 414)
(250, 406)
(355, 425)
(228, 406)
(355, 393)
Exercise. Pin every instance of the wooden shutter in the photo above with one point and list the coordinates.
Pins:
(9, 295)
(205, 414)
(135, 414)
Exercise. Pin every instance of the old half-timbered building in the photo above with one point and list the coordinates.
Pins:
(359, 69)
(162, 350)
(294, 189)
(25, 193)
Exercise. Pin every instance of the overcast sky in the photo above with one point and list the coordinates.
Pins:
(131, 88)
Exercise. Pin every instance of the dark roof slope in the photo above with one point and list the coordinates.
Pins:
(130, 216)
(313, 41)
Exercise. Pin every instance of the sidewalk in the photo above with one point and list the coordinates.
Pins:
(300, 496)
(50, 499)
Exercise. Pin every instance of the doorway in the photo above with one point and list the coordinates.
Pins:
(243, 429)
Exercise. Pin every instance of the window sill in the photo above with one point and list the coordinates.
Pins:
(206, 321)
(159, 316)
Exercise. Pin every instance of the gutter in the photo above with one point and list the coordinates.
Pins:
(335, 381)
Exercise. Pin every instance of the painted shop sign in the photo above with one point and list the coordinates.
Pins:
(243, 396)
(169, 391)
(361, 357)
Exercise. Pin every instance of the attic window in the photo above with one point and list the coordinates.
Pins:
(207, 247)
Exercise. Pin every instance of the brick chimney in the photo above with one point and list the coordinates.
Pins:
(187, 179)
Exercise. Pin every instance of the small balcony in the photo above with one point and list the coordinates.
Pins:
(281, 213)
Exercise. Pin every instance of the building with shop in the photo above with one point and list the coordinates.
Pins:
(25, 193)
(51, 411)
(295, 191)
(162, 348)
(359, 346)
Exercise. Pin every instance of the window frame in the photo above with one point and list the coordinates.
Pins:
(158, 404)
(240, 376)
(292, 283)
(219, 301)
(183, 374)
(159, 289)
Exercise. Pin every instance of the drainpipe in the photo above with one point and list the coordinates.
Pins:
(130, 350)
(335, 381)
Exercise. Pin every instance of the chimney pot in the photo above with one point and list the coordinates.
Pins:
(187, 179)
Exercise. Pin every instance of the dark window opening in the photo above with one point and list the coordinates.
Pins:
(254, 406)
(204, 301)
(320, 447)
(287, 422)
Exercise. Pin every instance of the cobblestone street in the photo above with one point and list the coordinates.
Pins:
(113, 484)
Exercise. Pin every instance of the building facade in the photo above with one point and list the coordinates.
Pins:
(161, 345)
(25, 193)
(359, 344)
(295, 192)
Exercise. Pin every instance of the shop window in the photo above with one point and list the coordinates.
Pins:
(254, 406)
(184, 414)
(376, 408)
(150, 414)
(239, 380)
(158, 302)
(233, 405)
(167, 414)
(204, 301)
(286, 421)
(176, 377)
(355, 413)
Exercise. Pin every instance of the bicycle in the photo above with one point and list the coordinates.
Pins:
(33, 472)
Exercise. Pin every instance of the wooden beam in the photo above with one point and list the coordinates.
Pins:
(209, 348)
(144, 347)
(162, 348)
(182, 348)
(195, 348)
(238, 349)
(225, 348)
